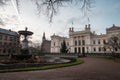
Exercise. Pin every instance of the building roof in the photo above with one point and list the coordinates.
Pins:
(4, 31)
(114, 27)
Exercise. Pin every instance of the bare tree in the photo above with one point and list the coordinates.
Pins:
(114, 42)
(51, 7)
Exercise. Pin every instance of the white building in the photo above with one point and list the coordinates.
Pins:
(84, 41)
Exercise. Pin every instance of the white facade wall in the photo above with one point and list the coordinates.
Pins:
(93, 43)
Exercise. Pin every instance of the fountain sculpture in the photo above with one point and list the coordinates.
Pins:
(25, 33)
(25, 52)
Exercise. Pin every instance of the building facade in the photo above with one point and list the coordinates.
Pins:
(84, 41)
(9, 42)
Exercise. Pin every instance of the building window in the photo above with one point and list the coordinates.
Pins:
(74, 37)
(104, 41)
(116, 49)
(54, 44)
(0, 37)
(10, 44)
(5, 37)
(99, 49)
(104, 49)
(79, 42)
(5, 44)
(14, 44)
(4, 51)
(94, 49)
(11, 38)
(93, 41)
(0, 43)
(75, 50)
(75, 43)
(79, 50)
(98, 41)
(14, 38)
(83, 42)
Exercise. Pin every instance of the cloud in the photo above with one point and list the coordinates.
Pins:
(6, 20)
(2, 22)
(77, 20)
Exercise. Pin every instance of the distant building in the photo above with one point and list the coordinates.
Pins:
(84, 41)
(46, 45)
(9, 42)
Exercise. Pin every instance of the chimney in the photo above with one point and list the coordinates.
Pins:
(69, 29)
(85, 27)
(72, 29)
(88, 25)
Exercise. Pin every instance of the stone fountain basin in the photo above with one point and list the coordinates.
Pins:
(25, 32)
(57, 60)
(49, 61)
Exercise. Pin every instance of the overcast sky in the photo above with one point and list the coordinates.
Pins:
(104, 14)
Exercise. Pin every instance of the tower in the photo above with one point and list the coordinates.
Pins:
(43, 38)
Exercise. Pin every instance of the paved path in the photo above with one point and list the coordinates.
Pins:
(92, 69)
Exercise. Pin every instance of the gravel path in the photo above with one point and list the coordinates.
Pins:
(92, 69)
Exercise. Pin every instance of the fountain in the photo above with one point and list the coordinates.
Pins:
(25, 33)
(25, 52)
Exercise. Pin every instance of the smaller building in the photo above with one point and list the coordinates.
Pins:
(46, 45)
(9, 42)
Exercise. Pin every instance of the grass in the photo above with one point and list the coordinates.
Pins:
(78, 61)
(114, 59)
(4, 57)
